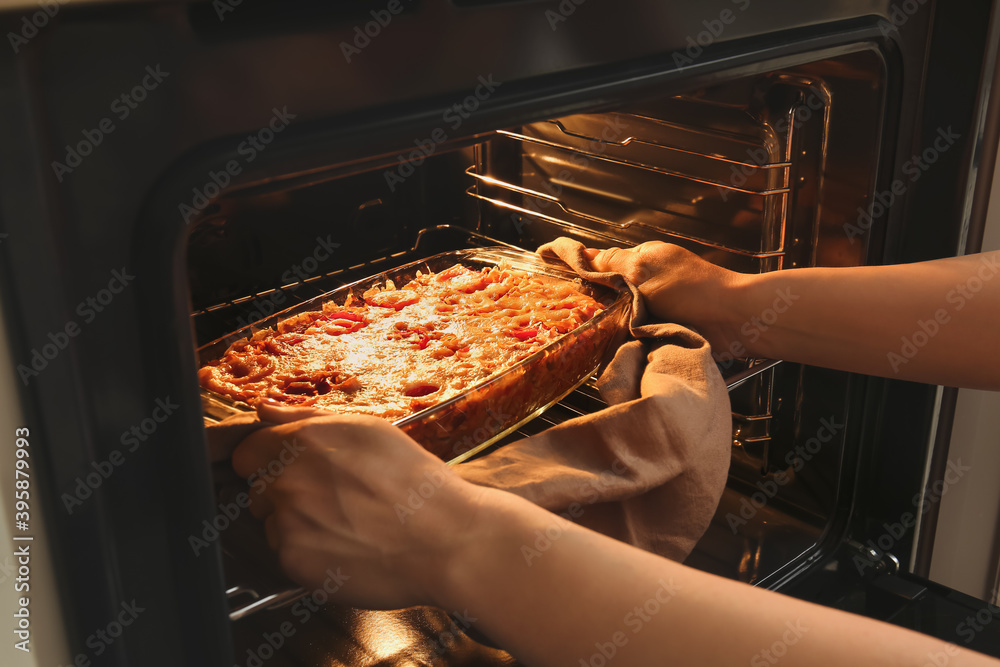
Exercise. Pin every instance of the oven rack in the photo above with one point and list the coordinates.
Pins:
(779, 170)
(576, 220)
(715, 143)
(724, 183)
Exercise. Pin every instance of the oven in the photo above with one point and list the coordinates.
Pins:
(175, 171)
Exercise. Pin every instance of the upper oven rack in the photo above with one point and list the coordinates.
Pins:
(779, 167)
(713, 175)
(572, 219)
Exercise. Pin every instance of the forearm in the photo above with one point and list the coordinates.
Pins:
(936, 322)
(553, 593)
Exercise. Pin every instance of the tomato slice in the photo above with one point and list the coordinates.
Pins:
(522, 333)
(397, 299)
(344, 315)
(343, 321)
(421, 390)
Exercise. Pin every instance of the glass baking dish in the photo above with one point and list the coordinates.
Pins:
(457, 428)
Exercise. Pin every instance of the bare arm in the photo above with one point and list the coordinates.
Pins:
(570, 597)
(936, 322)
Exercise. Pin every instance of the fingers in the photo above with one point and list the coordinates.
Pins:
(280, 414)
(261, 505)
(224, 436)
(266, 448)
(608, 260)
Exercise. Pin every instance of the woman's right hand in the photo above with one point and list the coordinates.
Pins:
(678, 286)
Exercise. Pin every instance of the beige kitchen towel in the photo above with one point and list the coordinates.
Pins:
(649, 469)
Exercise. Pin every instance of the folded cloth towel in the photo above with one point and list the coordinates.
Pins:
(649, 469)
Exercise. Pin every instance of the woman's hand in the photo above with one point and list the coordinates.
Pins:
(933, 321)
(355, 493)
(678, 286)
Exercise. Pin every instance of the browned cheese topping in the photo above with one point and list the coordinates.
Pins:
(402, 350)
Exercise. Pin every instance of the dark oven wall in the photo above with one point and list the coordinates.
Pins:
(125, 122)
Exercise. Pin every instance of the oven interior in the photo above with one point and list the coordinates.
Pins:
(763, 171)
